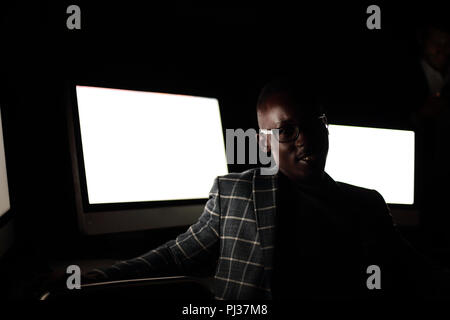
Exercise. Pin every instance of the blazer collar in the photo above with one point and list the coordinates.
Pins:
(264, 196)
(265, 189)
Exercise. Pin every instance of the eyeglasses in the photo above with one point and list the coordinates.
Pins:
(288, 133)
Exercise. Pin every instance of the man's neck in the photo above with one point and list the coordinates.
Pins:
(312, 183)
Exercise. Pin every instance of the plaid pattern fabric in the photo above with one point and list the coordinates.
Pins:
(232, 239)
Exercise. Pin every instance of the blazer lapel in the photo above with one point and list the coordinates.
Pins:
(264, 197)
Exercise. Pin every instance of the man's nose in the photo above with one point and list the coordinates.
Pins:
(300, 141)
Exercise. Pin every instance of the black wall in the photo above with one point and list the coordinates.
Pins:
(226, 50)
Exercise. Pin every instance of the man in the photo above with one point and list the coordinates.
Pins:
(435, 58)
(293, 234)
(430, 119)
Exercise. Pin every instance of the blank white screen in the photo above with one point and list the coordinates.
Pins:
(380, 159)
(4, 193)
(146, 146)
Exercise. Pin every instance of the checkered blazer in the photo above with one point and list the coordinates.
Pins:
(233, 239)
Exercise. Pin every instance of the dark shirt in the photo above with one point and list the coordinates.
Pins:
(327, 260)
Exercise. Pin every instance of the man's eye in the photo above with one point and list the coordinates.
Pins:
(287, 131)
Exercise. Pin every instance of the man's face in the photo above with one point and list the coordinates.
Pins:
(437, 49)
(302, 160)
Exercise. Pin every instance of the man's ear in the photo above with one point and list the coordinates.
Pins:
(263, 140)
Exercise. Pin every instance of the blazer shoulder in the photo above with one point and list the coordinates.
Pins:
(361, 196)
(239, 177)
(369, 203)
(238, 183)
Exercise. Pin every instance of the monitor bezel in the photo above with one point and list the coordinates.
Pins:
(120, 217)
(385, 124)
(89, 207)
(6, 216)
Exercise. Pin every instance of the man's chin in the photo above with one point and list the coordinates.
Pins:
(305, 177)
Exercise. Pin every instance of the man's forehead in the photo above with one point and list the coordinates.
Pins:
(276, 112)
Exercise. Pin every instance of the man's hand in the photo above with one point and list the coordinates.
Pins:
(49, 282)
(92, 277)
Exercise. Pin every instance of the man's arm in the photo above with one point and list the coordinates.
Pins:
(194, 252)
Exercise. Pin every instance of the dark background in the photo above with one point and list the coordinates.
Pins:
(226, 50)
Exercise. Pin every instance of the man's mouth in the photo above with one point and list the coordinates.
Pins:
(306, 158)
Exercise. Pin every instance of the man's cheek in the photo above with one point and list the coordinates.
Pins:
(282, 160)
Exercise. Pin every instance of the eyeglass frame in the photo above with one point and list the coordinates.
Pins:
(323, 117)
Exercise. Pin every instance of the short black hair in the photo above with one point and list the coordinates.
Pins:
(432, 20)
(302, 94)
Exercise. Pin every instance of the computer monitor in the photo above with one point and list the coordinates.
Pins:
(142, 160)
(374, 158)
(5, 204)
